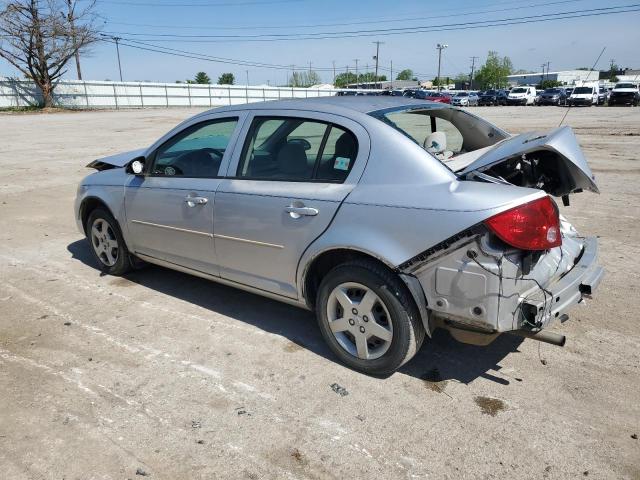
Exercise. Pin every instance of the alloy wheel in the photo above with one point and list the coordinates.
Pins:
(104, 242)
(359, 321)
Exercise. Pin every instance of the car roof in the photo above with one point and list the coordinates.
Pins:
(337, 105)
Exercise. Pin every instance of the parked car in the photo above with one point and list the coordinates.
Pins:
(493, 97)
(568, 91)
(624, 93)
(439, 97)
(553, 96)
(603, 95)
(536, 100)
(410, 92)
(465, 99)
(586, 95)
(521, 96)
(388, 217)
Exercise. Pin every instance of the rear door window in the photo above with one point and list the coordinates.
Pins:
(295, 149)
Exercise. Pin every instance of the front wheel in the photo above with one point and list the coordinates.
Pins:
(107, 243)
(368, 317)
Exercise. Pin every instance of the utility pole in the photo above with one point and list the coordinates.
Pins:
(376, 59)
(391, 74)
(72, 27)
(440, 47)
(117, 39)
(334, 72)
(357, 79)
(542, 78)
(548, 65)
(473, 69)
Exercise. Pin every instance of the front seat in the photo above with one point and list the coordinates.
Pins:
(292, 162)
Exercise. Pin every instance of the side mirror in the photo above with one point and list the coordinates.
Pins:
(136, 166)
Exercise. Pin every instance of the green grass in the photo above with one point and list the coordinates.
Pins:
(30, 108)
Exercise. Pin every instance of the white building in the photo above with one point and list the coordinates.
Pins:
(566, 77)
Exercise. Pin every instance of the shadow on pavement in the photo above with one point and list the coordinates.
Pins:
(441, 358)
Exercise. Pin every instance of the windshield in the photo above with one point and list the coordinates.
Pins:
(519, 90)
(552, 90)
(582, 90)
(625, 85)
(462, 94)
(490, 92)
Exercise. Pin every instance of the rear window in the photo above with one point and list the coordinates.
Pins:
(625, 85)
(519, 90)
(582, 90)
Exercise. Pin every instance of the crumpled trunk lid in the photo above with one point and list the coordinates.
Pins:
(551, 161)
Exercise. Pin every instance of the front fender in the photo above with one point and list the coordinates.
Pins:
(106, 187)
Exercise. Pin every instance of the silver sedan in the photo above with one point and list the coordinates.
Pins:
(389, 217)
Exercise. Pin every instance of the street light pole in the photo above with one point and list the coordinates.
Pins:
(440, 47)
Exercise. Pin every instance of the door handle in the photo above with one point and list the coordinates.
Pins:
(297, 212)
(193, 201)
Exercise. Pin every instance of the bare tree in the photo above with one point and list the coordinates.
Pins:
(39, 37)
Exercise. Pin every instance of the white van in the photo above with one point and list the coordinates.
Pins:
(584, 95)
(521, 96)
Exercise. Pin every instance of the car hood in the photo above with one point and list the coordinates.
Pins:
(118, 160)
(560, 141)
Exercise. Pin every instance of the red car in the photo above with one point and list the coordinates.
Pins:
(439, 97)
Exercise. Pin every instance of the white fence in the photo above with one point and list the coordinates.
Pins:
(91, 94)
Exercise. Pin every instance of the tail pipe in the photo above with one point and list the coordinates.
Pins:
(541, 336)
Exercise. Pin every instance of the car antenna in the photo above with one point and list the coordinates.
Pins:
(586, 80)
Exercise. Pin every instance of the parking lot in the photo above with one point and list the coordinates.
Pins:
(168, 376)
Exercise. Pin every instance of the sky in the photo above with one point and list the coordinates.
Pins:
(566, 44)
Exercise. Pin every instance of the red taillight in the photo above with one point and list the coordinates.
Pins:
(532, 226)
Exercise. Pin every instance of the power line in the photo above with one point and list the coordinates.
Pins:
(198, 56)
(318, 25)
(234, 61)
(207, 4)
(594, 12)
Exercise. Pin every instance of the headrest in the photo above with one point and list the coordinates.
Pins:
(436, 142)
(346, 146)
(292, 160)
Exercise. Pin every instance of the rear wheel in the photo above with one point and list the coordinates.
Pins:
(368, 318)
(107, 244)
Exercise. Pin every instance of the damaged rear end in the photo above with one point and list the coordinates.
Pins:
(522, 269)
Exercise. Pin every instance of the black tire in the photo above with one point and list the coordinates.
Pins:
(122, 263)
(408, 331)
